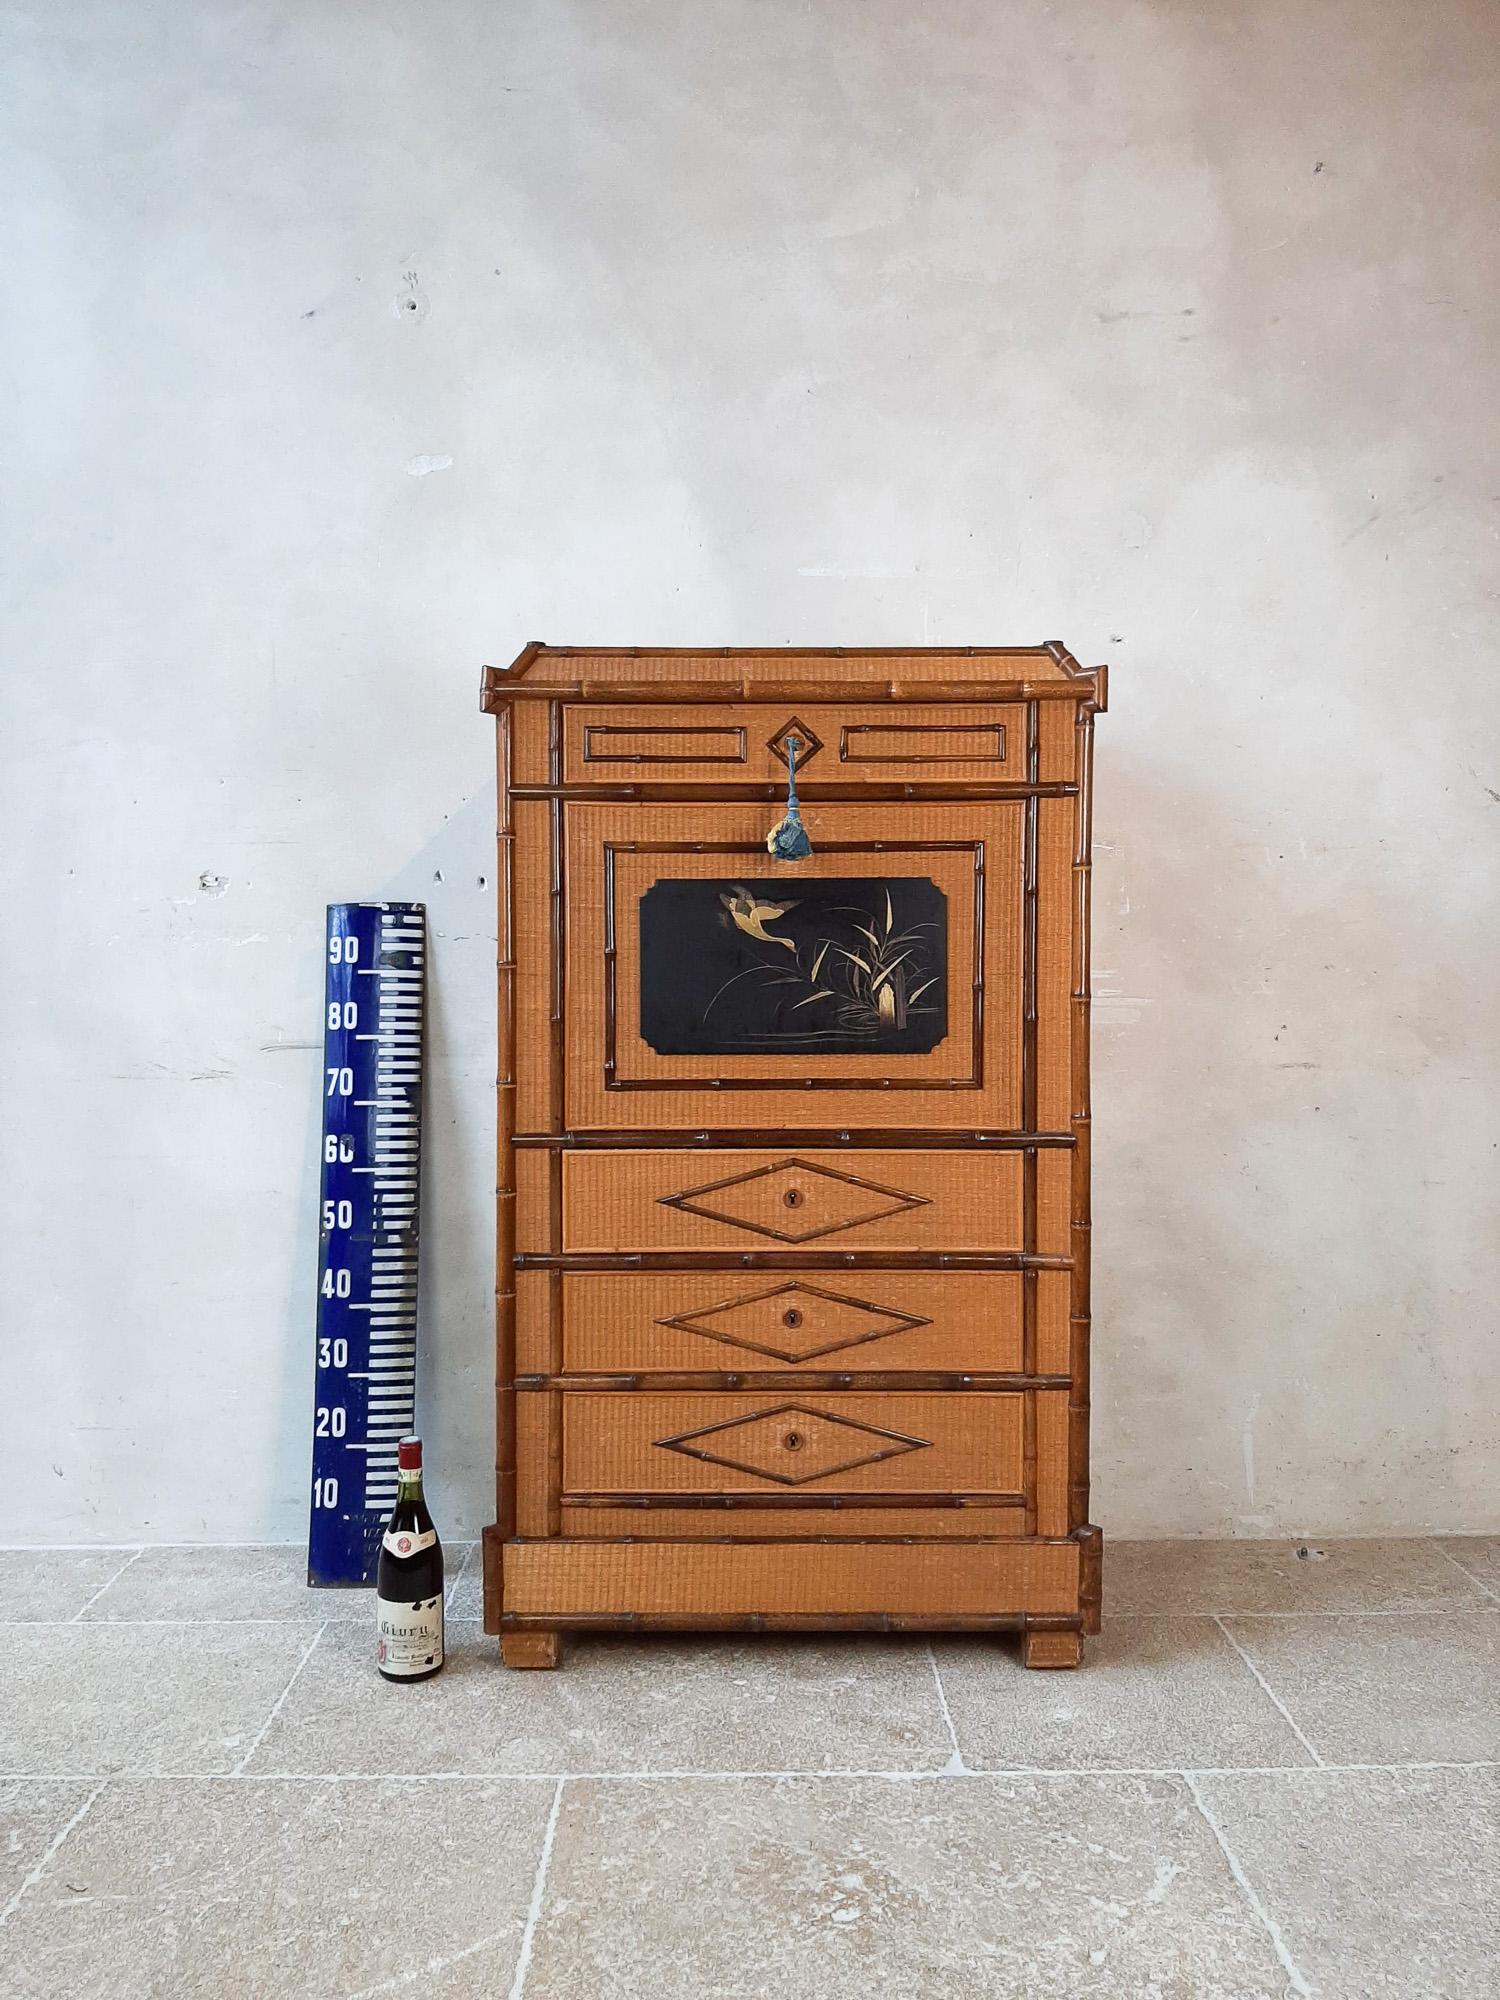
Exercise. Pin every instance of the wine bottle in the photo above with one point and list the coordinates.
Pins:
(409, 1579)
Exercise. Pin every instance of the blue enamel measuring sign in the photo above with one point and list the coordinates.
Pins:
(366, 1379)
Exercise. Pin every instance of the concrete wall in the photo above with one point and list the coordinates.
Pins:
(357, 342)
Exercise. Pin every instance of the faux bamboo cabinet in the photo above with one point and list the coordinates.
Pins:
(792, 1312)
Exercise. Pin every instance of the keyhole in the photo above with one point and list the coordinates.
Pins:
(793, 1440)
(793, 1197)
(791, 1317)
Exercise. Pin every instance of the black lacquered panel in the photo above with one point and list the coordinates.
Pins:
(842, 966)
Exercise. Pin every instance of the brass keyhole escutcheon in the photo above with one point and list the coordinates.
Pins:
(793, 1440)
(791, 1317)
(793, 1197)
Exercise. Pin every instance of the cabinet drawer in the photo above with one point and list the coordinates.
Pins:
(877, 1200)
(880, 743)
(851, 1322)
(778, 1322)
(773, 1449)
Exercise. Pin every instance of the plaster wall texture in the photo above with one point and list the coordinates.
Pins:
(355, 344)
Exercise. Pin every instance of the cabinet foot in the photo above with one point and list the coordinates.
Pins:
(1051, 1649)
(531, 1649)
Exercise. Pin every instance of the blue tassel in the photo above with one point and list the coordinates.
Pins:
(787, 840)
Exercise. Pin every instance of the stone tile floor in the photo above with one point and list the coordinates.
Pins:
(1279, 1773)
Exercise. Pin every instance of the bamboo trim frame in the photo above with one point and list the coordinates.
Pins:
(852, 791)
(740, 754)
(557, 1104)
(787, 1260)
(755, 1380)
(786, 1621)
(505, 1131)
(783, 1501)
(926, 1139)
(777, 694)
(849, 755)
(534, 648)
(1029, 946)
(614, 1081)
(1080, 1182)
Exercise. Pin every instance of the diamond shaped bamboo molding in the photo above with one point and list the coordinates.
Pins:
(792, 1445)
(795, 1322)
(794, 1201)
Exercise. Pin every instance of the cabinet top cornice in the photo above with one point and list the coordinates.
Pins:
(685, 674)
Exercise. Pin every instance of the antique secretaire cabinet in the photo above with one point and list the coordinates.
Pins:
(793, 1228)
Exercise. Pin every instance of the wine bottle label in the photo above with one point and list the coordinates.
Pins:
(409, 1636)
(407, 1543)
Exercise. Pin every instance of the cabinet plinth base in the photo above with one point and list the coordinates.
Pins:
(538, 1592)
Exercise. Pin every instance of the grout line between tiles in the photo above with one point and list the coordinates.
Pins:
(1273, 1931)
(458, 1576)
(108, 1548)
(113, 1577)
(1459, 1610)
(538, 1889)
(1271, 1694)
(104, 1548)
(1217, 1770)
(915, 1776)
(955, 1764)
(260, 1734)
(74, 1548)
(428, 1971)
(44, 1861)
(126, 1624)
(1467, 1575)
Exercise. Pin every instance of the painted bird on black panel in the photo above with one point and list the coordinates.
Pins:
(751, 916)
